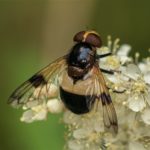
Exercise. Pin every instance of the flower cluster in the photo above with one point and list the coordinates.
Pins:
(129, 88)
(38, 111)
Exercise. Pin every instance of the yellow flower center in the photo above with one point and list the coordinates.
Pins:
(113, 61)
(139, 87)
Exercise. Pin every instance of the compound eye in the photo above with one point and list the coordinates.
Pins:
(90, 37)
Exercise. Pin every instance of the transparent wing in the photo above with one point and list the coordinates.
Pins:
(92, 90)
(109, 113)
(38, 88)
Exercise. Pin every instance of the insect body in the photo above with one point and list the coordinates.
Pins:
(79, 79)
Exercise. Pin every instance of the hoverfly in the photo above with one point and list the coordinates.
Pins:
(79, 79)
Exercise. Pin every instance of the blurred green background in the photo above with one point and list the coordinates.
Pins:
(35, 32)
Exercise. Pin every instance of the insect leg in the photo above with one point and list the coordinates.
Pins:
(111, 72)
(103, 55)
(116, 91)
(107, 71)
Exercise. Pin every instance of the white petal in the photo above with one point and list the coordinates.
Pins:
(132, 71)
(55, 106)
(147, 97)
(124, 50)
(27, 116)
(146, 116)
(53, 90)
(75, 145)
(103, 50)
(31, 104)
(136, 103)
(147, 77)
(99, 126)
(143, 67)
(113, 78)
(136, 146)
(41, 115)
(111, 62)
(82, 133)
(71, 118)
(125, 59)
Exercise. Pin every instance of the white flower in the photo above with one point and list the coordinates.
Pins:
(146, 116)
(129, 88)
(85, 130)
(145, 65)
(55, 106)
(134, 84)
(37, 109)
(132, 71)
(119, 56)
(35, 113)
(112, 61)
(147, 77)
(123, 52)
(137, 88)
(136, 102)
(136, 146)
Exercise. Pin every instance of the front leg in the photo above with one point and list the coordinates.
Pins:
(116, 91)
(111, 72)
(103, 55)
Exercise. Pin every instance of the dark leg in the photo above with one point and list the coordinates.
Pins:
(115, 91)
(119, 92)
(107, 71)
(103, 55)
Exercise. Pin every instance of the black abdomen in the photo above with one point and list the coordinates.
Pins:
(78, 104)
